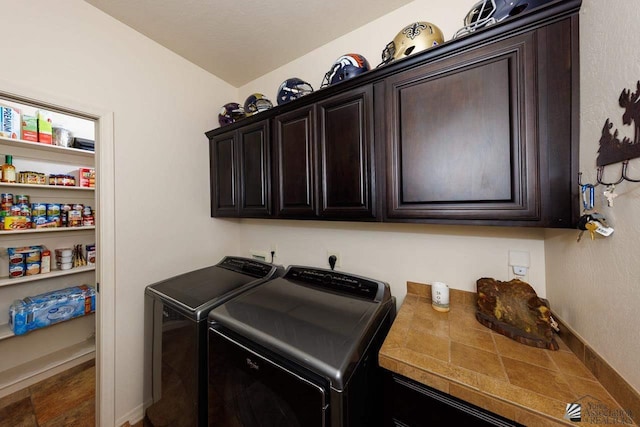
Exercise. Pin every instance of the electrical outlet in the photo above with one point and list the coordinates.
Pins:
(519, 265)
(337, 255)
(259, 255)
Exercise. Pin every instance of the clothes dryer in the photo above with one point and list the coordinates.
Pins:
(180, 306)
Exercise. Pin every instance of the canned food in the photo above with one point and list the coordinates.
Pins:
(25, 210)
(88, 220)
(74, 218)
(16, 258)
(6, 198)
(53, 209)
(38, 220)
(64, 252)
(21, 198)
(54, 219)
(32, 268)
(14, 210)
(16, 270)
(32, 256)
(38, 209)
(65, 266)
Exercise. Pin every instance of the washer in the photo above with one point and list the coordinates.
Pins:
(179, 307)
(300, 350)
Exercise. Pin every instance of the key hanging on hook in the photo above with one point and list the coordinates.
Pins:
(588, 196)
(610, 195)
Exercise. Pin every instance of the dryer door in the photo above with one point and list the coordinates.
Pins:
(249, 388)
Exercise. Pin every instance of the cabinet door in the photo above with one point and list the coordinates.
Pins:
(294, 152)
(462, 139)
(345, 155)
(254, 172)
(223, 175)
(411, 404)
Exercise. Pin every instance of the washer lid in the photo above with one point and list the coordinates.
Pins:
(197, 291)
(323, 330)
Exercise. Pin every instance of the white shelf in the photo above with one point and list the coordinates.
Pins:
(36, 370)
(20, 143)
(34, 151)
(47, 187)
(6, 281)
(5, 331)
(47, 230)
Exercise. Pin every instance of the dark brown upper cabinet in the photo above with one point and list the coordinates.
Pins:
(324, 156)
(294, 153)
(240, 165)
(484, 136)
(346, 155)
(481, 130)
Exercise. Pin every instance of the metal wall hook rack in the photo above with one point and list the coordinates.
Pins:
(600, 176)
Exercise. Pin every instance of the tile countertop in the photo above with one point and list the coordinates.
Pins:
(455, 354)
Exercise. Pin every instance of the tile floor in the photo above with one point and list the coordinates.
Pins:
(66, 399)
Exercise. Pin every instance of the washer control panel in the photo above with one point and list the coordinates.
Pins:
(338, 282)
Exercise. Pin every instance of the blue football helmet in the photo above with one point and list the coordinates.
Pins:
(292, 89)
(344, 68)
(489, 12)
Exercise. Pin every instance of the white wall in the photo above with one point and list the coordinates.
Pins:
(369, 41)
(397, 253)
(595, 285)
(162, 106)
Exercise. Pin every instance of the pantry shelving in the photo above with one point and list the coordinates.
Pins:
(35, 150)
(47, 230)
(6, 281)
(38, 353)
(46, 187)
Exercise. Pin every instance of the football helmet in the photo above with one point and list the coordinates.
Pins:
(256, 103)
(413, 38)
(489, 12)
(230, 113)
(344, 68)
(292, 89)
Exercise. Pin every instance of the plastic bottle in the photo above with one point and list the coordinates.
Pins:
(8, 170)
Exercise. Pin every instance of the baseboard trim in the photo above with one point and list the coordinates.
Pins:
(133, 416)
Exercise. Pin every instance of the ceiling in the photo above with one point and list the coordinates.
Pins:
(241, 41)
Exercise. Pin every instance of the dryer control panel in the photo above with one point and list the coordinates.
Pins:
(247, 266)
(338, 282)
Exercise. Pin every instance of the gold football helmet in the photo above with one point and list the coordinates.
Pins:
(413, 38)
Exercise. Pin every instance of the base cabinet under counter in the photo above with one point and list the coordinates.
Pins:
(411, 404)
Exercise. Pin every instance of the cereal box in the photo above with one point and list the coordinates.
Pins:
(45, 127)
(9, 122)
(30, 128)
